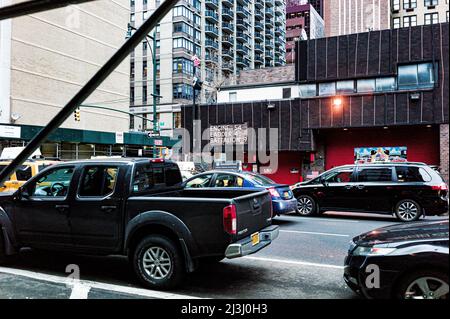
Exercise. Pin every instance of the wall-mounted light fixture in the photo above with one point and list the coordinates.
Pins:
(270, 106)
(414, 96)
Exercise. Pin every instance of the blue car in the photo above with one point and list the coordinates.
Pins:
(283, 199)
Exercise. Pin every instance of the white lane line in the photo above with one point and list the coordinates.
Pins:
(319, 219)
(294, 262)
(80, 291)
(95, 285)
(313, 233)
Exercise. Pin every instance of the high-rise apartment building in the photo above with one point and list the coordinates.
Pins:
(302, 22)
(355, 16)
(317, 4)
(227, 36)
(409, 13)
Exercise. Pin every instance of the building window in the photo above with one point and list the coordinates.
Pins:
(183, 43)
(431, 3)
(447, 16)
(415, 76)
(132, 17)
(431, 18)
(345, 87)
(286, 93)
(132, 69)
(183, 66)
(182, 91)
(409, 4)
(308, 90)
(327, 89)
(144, 94)
(395, 5)
(131, 122)
(366, 85)
(396, 23)
(132, 95)
(184, 28)
(232, 96)
(409, 21)
(144, 69)
(385, 84)
(182, 11)
(177, 120)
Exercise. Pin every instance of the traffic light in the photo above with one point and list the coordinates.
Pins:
(77, 115)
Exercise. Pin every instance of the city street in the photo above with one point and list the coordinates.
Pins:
(306, 261)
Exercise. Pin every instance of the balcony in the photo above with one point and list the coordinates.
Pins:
(259, 14)
(228, 66)
(259, 3)
(241, 49)
(211, 58)
(211, 30)
(280, 2)
(259, 36)
(240, 61)
(268, 44)
(259, 48)
(279, 62)
(269, 3)
(242, 12)
(210, 44)
(227, 14)
(228, 3)
(280, 22)
(214, 4)
(269, 34)
(211, 15)
(242, 24)
(259, 26)
(242, 37)
(279, 11)
(268, 55)
(228, 40)
(269, 22)
(259, 58)
(279, 31)
(269, 12)
(227, 27)
(227, 54)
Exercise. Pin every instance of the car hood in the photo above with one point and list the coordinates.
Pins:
(401, 233)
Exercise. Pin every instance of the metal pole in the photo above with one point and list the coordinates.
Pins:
(90, 87)
(34, 6)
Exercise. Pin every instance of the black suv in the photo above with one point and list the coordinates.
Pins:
(408, 190)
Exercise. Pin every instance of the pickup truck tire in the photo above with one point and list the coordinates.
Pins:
(158, 262)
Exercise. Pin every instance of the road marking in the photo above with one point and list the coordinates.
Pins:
(322, 219)
(95, 285)
(295, 262)
(313, 233)
(80, 291)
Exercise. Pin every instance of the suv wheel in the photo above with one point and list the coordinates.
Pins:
(158, 263)
(408, 210)
(427, 284)
(306, 205)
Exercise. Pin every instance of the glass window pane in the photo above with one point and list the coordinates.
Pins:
(366, 85)
(307, 90)
(54, 183)
(199, 182)
(345, 86)
(327, 88)
(407, 76)
(375, 175)
(425, 74)
(385, 84)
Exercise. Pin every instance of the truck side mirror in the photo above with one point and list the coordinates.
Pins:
(22, 193)
(324, 182)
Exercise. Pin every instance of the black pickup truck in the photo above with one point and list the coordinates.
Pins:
(137, 208)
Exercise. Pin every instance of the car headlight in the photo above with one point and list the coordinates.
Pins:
(372, 251)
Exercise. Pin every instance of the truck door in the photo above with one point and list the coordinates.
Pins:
(96, 212)
(42, 213)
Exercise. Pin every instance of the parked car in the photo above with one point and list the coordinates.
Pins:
(409, 261)
(282, 197)
(137, 208)
(408, 190)
(27, 170)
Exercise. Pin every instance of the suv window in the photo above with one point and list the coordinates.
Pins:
(340, 176)
(200, 181)
(54, 183)
(98, 181)
(407, 174)
(375, 174)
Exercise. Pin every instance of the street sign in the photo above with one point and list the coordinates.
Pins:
(153, 134)
(196, 61)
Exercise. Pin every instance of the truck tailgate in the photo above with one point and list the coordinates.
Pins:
(253, 212)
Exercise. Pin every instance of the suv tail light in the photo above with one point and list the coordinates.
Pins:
(229, 219)
(273, 192)
(157, 160)
(440, 187)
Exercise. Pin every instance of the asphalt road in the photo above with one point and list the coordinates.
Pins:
(306, 261)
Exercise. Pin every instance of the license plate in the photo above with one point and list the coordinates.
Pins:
(255, 239)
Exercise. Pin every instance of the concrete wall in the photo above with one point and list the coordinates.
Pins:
(267, 75)
(5, 67)
(55, 53)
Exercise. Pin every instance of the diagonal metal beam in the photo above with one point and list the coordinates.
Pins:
(90, 87)
(34, 6)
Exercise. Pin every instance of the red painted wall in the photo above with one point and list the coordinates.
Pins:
(422, 143)
(286, 162)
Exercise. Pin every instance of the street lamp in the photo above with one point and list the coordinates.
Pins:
(153, 52)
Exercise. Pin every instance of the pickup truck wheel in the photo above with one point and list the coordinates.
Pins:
(306, 205)
(158, 263)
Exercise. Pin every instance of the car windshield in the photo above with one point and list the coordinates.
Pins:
(260, 180)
